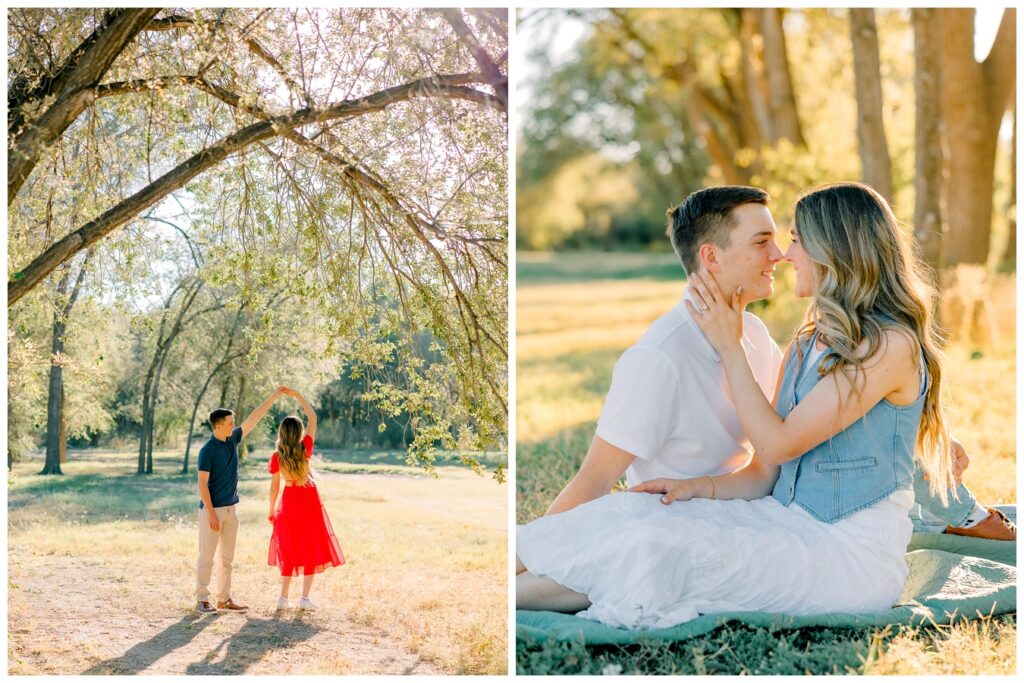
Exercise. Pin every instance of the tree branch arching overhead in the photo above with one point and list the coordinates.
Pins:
(95, 230)
(357, 153)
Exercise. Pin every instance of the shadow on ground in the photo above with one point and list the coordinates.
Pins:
(233, 655)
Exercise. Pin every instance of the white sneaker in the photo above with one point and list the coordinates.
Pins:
(306, 603)
(282, 603)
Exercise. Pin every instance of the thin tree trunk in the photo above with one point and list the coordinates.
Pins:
(927, 140)
(782, 101)
(163, 347)
(1009, 260)
(240, 413)
(199, 399)
(871, 143)
(752, 55)
(63, 425)
(154, 398)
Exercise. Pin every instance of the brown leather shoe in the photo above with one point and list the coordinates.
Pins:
(996, 527)
(230, 604)
(205, 607)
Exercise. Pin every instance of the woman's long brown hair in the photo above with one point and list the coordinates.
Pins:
(291, 456)
(868, 280)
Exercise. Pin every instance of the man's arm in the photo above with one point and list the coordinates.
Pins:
(204, 495)
(257, 415)
(756, 480)
(601, 468)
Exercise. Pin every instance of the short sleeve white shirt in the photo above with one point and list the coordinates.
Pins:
(670, 404)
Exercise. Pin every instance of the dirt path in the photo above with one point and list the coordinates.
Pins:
(79, 616)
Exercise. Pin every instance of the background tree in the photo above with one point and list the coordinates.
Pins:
(975, 96)
(871, 142)
(927, 141)
(55, 422)
(726, 83)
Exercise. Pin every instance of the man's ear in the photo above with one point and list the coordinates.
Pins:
(707, 256)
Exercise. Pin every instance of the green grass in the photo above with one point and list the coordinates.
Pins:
(578, 312)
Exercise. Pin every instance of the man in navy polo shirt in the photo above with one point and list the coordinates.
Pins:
(218, 494)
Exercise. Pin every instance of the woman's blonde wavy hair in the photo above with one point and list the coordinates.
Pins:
(291, 456)
(868, 279)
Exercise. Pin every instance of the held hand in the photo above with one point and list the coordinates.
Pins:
(671, 489)
(719, 317)
(211, 517)
(959, 458)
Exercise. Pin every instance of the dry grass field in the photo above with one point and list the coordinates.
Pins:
(576, 313)
(101, 574)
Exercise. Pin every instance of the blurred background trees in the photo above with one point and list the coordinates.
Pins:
(632, 109)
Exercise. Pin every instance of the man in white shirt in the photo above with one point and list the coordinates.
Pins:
(668, 412)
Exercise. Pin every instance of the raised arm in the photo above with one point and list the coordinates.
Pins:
(257, 415)
(603, 465)
(307, 409)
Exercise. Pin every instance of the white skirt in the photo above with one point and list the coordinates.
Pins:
(645, 565)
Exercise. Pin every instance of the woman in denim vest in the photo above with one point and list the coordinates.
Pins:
(818, 521)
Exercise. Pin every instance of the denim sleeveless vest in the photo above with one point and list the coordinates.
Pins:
(857, 467)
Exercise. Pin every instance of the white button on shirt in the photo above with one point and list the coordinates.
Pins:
(670, 404)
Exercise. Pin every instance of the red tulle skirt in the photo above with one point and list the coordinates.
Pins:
(303, 541)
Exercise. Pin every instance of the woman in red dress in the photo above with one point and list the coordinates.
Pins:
(303, 540)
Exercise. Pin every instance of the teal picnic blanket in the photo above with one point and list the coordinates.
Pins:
(951, 578)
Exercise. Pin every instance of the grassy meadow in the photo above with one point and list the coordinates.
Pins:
(101, 573)
(577, 312)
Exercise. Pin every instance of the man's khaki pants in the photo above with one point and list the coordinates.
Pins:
(208, 542)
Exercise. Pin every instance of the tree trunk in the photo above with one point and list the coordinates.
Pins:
(163, 345)
(202, 392)
(1009, 260)
(63, 425)
(782, 100)
(927, 140)
(154, 398)
(974, 98)
(55, 396)
(54, 407)
(752, 55)
(871, 143)
(240, 413)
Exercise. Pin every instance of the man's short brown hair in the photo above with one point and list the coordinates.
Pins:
(706, 217)
(217, 415)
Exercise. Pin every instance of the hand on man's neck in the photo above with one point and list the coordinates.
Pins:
(726, 285)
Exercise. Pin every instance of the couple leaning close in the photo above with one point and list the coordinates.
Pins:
(302, 540)
(762, 481)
